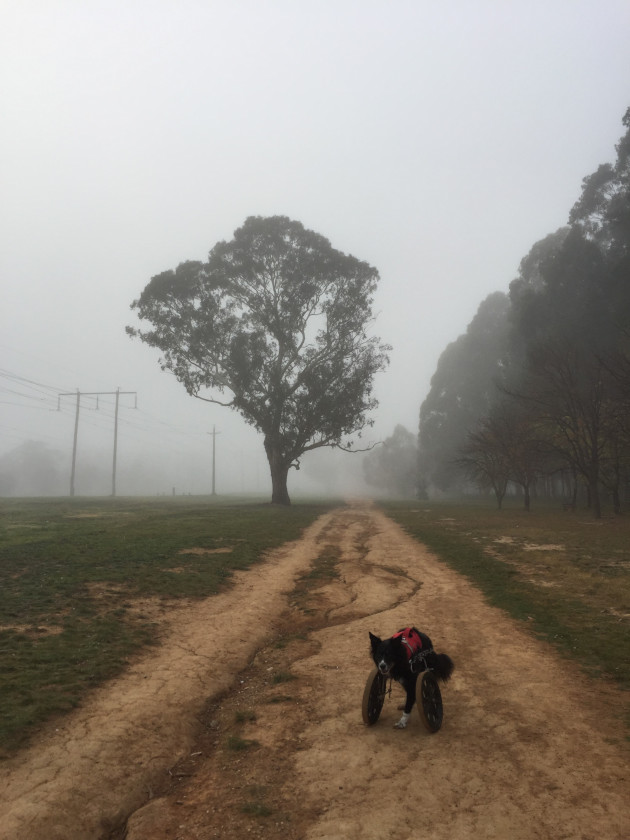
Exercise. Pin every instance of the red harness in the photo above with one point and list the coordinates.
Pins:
(410, 639)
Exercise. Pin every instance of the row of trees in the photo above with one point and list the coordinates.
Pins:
(537, 391)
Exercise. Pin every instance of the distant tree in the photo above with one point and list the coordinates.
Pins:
(393, 465)
(463, 390)
(505, 447)
(570, 389)
(603, 210)
(8, 478)
(277, 320)
(31, 469)
(569, 300)
(602, 214)
(530, 311)
(484, 460)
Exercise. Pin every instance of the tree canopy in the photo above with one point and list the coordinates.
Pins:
(275, 326)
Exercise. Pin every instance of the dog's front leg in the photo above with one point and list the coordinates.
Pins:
(410, 687)
(402, 723)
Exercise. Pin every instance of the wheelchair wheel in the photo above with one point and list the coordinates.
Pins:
(430, 701)
(374, 696)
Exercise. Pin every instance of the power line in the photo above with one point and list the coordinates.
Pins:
(25, 381)
(40, 396)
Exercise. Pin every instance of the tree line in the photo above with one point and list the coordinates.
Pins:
(536, 393)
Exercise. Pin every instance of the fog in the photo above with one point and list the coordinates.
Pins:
(437, 143)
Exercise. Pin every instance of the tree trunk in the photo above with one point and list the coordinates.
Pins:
(595, 503)
(527, 496)
(279, 491)
(279, 474)
(499, 492)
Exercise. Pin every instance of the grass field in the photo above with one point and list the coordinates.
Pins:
(562, 573)
(81, 579)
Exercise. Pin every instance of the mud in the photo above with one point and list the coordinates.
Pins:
(247, 720)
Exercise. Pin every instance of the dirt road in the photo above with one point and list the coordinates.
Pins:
(247, 720)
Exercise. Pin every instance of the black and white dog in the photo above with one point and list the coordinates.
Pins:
(405, 655)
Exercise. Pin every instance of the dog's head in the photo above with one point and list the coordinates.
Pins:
(383, 653)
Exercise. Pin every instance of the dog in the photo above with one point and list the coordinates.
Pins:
(405, 655)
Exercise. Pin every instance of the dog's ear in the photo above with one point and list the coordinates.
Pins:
(374, 641)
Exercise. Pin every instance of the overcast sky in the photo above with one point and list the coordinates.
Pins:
(437, 142)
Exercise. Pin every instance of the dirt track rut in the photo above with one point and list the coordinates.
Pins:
(529, 747)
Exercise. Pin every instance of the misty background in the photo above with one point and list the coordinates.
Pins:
(437, 144)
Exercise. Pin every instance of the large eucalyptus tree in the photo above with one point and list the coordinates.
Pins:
(274, 325)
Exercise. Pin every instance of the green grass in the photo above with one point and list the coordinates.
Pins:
(564, 574)
(256, 809)
(237, 744)
(283, 677)
(79, 577)
(323, 570)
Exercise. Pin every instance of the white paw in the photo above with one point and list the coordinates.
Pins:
(402, 723)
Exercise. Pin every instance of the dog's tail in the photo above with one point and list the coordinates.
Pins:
(442, 664)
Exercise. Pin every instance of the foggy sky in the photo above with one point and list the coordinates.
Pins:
(436, 142)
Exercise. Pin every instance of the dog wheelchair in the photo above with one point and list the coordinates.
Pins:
(428, 696)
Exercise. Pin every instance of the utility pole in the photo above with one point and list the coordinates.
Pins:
(96, 394)
(115, 443)
(74, 444)
(214, 434)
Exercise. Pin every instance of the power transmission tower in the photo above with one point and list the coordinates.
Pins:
(96, 394)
